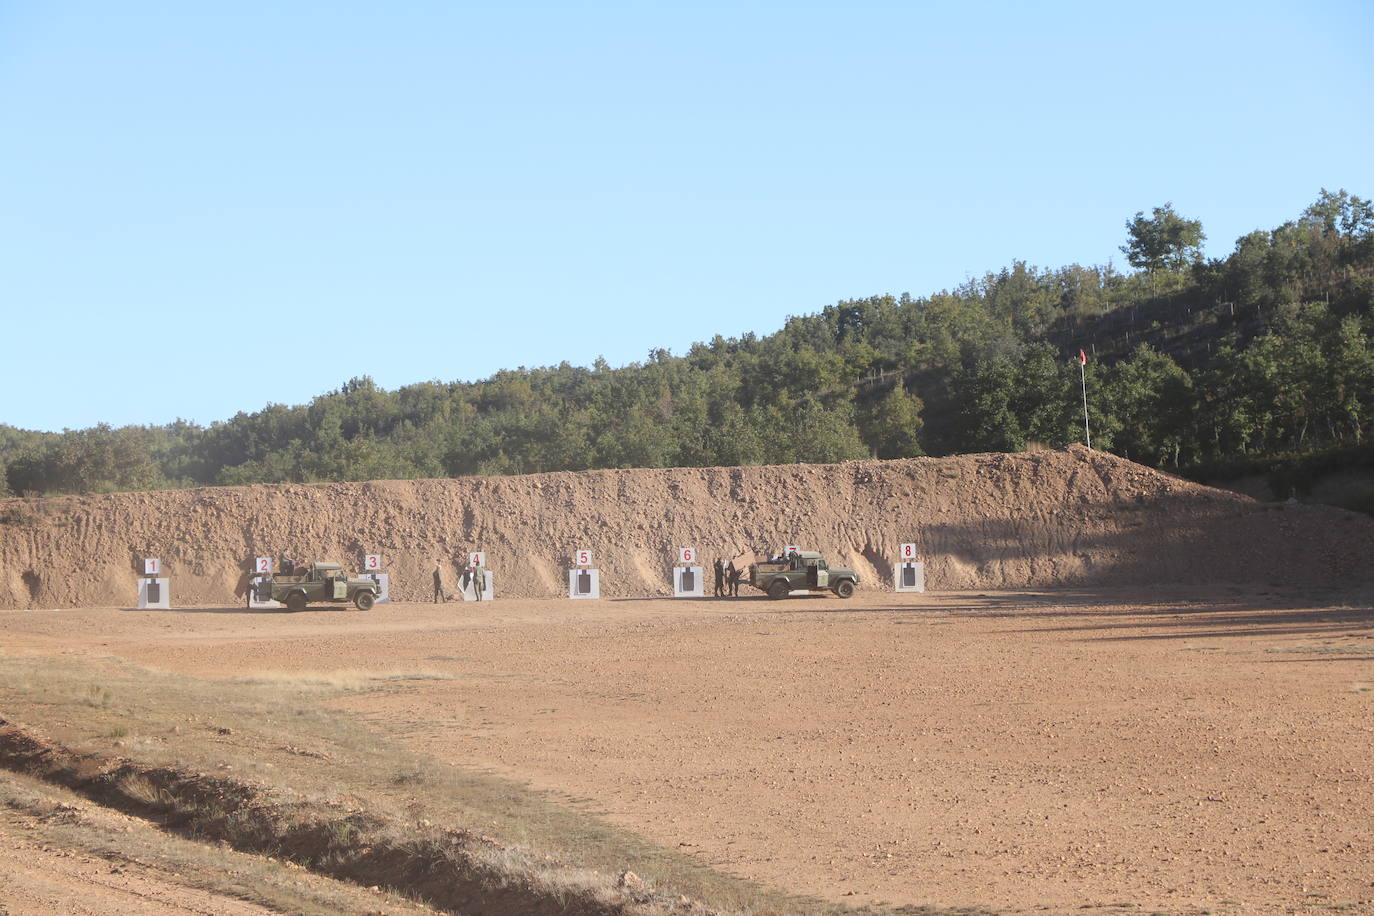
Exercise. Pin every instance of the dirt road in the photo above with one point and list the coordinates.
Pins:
(1050, 749)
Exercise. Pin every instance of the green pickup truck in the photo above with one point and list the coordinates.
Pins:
(802, 572)
(320, 582)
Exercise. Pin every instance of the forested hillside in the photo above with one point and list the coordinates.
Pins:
(1261, 357)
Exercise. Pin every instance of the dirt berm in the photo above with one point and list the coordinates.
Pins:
(1040, 519)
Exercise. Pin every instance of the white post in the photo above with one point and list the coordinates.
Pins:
(1083, 376)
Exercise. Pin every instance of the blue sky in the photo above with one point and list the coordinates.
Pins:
(209, 207)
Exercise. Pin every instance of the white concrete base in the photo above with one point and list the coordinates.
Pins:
(590, 587)
(164, 594)
(687, 582)
(911, 576)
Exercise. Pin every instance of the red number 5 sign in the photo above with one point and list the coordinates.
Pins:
(583, 558)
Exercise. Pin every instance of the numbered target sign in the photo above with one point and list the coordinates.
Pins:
(152, 566)
(908, 551)
(372, 562)
(262, 565)
(477, 558)
(583, 558)
(791, 548)
(686, 555)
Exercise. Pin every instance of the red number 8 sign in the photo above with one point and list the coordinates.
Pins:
(908, 551)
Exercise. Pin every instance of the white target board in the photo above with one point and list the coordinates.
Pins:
(467, 586)
(154, 593)
(383, 581)
(253, 601)
(790, 549)
(910, 576)
(687, 582)
(584, 583)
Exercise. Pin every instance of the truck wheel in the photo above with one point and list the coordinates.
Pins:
(295, 601)
(778, 589)
(844, 588)
(364, 601)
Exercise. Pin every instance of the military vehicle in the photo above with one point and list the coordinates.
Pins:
(802, 572)
(318, 582)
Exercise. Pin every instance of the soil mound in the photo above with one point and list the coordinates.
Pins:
(1039, 519)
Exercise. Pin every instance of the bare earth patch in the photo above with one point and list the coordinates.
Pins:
(1161, 751)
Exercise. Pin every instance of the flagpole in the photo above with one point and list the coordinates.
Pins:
(1083, 377)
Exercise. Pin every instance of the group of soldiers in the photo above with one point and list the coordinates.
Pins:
(727, 578)
(469, 577)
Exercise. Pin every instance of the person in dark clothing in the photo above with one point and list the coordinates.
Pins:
(732, 577)
(720, 578)
(438, 585)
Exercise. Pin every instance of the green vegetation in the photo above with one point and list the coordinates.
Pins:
(1260, 359)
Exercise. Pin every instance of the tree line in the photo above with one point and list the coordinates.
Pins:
(1191, 363)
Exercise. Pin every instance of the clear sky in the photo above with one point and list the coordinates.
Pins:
(206, 207)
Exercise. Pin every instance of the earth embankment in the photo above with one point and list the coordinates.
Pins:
(992, 521)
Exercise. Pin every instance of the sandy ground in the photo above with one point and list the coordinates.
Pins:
(1174, 752)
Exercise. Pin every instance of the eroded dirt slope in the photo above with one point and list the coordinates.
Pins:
(1069, 517)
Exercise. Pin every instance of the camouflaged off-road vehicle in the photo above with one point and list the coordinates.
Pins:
(323, 582)
(806, 571)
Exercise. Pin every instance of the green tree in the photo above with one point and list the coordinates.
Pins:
(1148, 398)
(892, 427)
(1164, 240)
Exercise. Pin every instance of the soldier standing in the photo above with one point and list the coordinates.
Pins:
(732, 576)
(438, 585)
(720, 578)
(479, 582)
